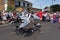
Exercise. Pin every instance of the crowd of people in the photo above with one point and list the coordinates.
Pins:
(51, 17)
(27, 17)
(4, 17)
(43, 16)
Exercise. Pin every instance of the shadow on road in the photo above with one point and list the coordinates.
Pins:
(58, 27)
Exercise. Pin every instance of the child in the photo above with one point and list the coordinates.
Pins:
(59, 19)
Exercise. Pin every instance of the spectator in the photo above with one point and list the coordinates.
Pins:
(1, 18)
(39, 14)
(4, 17)
(48, 17)
(51, 18)
(59, 19)
(44, 16)
(54, 18)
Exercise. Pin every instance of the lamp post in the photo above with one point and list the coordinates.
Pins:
(52, 4)
(52, 8)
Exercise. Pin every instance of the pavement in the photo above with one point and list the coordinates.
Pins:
(50, 31)
(5, 23)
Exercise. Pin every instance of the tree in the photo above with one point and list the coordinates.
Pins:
(9, 8)
(55, 7)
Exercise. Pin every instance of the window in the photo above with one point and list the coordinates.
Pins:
(16, 0)
(23, 4)
(16, 3)
(19, 3)
(5, 1)
(28, 5)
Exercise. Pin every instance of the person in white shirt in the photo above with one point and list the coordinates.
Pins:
(4, 17)
(26, 19)
(51, 18)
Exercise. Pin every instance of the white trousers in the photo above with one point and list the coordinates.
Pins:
(51, 20)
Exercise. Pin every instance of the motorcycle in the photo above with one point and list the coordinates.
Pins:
(26, 31)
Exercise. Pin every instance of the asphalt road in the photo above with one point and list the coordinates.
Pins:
(50, 31)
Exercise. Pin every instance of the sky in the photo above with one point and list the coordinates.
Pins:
(41, 4)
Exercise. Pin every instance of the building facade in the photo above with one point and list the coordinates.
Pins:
(19, 5)
(22, 5)
(1, 4)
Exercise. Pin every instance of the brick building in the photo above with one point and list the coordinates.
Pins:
(19, 5)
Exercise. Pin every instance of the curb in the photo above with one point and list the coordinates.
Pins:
(5, 24)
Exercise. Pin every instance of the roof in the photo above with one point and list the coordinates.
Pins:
(25, 1)
(28, 2)
(36, 8)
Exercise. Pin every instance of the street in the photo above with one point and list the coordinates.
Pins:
(50, 31)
